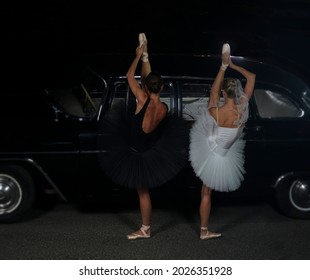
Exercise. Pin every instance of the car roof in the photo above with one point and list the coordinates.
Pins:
(62, 73)
(201, 65)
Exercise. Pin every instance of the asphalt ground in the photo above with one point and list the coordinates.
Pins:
(251, 231)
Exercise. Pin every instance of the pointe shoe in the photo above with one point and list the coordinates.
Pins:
(142, 39)
(143, 42)
(225, 56)
(140, 234)
(226, 48)
(206, 234)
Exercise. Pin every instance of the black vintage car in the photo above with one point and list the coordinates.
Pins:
(48, 143)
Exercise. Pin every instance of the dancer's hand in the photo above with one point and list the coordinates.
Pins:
(231, 64)
(226, 61)
(139, 51)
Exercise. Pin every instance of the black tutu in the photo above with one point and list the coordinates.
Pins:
(151, 168)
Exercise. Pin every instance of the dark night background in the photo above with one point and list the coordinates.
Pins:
(37, 37)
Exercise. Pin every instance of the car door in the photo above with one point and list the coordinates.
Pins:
(286, 136)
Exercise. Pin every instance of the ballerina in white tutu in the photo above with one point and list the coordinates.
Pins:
(216, 138)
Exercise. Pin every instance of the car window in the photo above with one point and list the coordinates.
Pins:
(194, 96)
(166, 96)
(81, 96)
(78, 101)
(68, 101)
(122, 94)
(272, 104)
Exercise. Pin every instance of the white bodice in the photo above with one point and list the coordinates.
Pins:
(222, 138)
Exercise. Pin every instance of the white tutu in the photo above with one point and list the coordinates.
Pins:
(217, 153)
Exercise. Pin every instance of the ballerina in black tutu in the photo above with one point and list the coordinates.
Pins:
(148, 146)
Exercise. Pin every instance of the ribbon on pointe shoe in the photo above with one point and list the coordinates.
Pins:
(143, 233)
(206, 234)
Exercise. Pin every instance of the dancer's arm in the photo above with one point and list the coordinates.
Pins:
(215, 92)
(133, 83)
(216, 89)
(146, 66)
(249, 76)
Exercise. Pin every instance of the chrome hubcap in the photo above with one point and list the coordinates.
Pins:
(10, 194)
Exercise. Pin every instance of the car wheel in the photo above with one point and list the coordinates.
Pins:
(293, 196)
(17, 193)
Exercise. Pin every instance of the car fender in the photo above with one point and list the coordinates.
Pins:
(35, 169)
